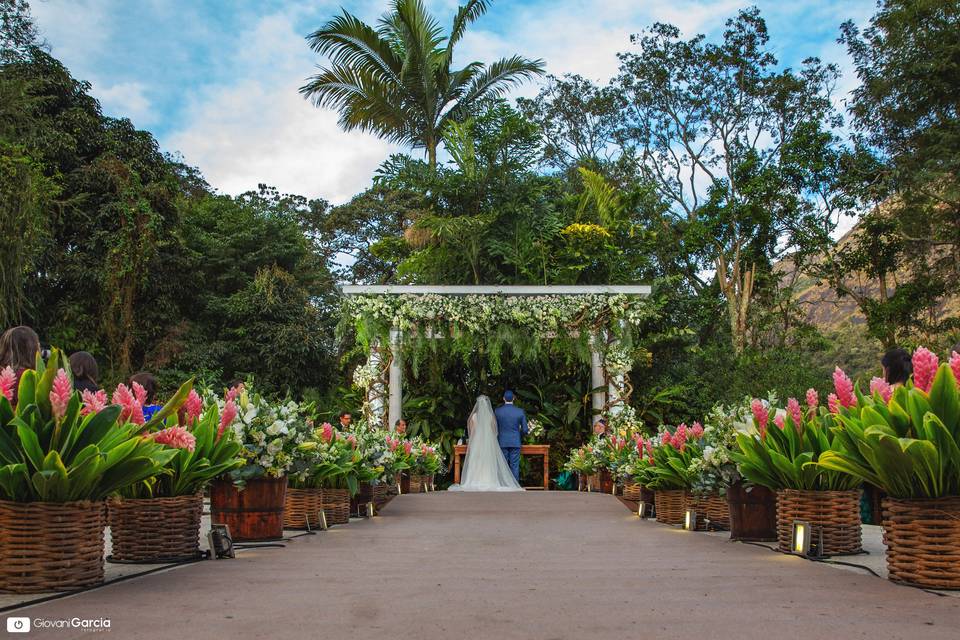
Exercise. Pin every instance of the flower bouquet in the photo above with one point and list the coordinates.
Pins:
(428, 463)
(59, 460)
(584, 463)
(671, 473)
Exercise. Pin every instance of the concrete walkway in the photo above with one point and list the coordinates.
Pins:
(502, 566)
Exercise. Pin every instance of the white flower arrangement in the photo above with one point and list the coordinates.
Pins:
(535, 429)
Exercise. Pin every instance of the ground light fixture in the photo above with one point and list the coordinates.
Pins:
(642, 510)
(801, 539)
(690, 520)
(371, 510)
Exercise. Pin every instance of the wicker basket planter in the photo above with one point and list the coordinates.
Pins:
(670, 505)
(155, 530)
(835, 514)
(713, 512)
(336, 505)
(51, 547)
(631, 491)
(302, 507)
(381, 494)
(923, 541)
(420, 483)
(589, 482)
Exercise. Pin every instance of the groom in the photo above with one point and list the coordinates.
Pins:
(511, 422)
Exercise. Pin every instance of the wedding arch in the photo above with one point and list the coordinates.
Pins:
(598, 321)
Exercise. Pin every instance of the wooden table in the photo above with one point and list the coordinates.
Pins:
(525, 450)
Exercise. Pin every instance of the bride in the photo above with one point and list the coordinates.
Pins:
(485, 468)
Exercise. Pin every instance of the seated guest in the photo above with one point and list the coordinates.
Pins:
(897, 366)
(400, 426)
(600, 428)
(345, 420)
(85, 372)
(149, 384)
(19, 347)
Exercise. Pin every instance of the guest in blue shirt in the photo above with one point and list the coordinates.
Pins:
(149, 384)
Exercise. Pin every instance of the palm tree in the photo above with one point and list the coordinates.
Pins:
(395, 80)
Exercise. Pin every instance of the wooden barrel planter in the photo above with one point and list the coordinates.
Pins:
(47, 546)
(923, 541)
(588, 482)
(404, 483)
(254, 514)
(606, 481)
(834, 515)
(420, 483)
(631, 491)
(753, 513)
(155, 530)
(669, 505)
(382, 494)
(712, 511)
(336, 504)
(302, 508)
(359, 501)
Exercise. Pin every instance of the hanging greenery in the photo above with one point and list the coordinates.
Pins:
(523, 327)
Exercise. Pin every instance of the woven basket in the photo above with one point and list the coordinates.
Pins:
(713, 512)
(670, 505)
(336, 504)
(834, 513)
(923, 541)
(631, 491)
(301, 508)
(420, 483)
(381, 494)
(51, 547)
(589, 482)
(155, 530)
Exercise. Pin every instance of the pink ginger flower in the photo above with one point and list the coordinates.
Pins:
(649, 447)
(651, 460)
(697, 430)
(8, 380)
(780, 421)
(639, 442)
(833, 403)
(193, 406)
(139, 393)
(408, 447)
(327, 432)
(234, 392)
(60, 395)
(227, 416)
(93, 402)
(813, 400)
(680, 437)
(955, 365)
(176, 437)
(796, 413)
(843, 386)
(925, 364)
(352, 439)
(132, 411)
(666, 439)
(761, 416)
(392, 444)
(881, 386)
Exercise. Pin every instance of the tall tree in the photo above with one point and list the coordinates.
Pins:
(397, 80)
(739, 150)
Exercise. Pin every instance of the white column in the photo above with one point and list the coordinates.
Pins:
(396, 380)
(597, 381)
(616, 386)
(376, 393)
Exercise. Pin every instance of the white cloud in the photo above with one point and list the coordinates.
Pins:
(128, 99)
(77, 30)
(259, 128)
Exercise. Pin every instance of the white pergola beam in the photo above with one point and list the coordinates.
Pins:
(490, 290)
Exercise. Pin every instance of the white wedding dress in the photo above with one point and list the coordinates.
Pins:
(484, 468)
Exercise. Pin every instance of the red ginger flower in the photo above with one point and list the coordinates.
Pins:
(925, 364)
(881, 386)
(833, 403)
(193, 406)
(352, 439)
(327, 432)
(680, 437)
(649, 447)
(176, 437)
(796, 413)
(697, 430)
(8, 380)
(93, 402)
(233, 392)
(408, 447)
(761, 415)
(60, 395)
(131, 409)
(843, 386)
(955, 365)
(813, 400)
(780, 421)
(666, 439)
(139, 393)
(228, 415)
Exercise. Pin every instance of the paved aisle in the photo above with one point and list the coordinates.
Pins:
(501, 566)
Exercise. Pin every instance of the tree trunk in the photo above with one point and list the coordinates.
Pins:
(737, 287)
(432, 154)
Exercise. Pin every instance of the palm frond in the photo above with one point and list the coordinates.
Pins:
(466, 14)
(500, 76)
(350, 42)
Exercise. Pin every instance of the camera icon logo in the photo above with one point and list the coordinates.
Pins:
(18, 625)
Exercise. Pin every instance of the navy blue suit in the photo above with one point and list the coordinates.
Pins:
(511, 425)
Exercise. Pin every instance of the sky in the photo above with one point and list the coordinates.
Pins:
(217, 80)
